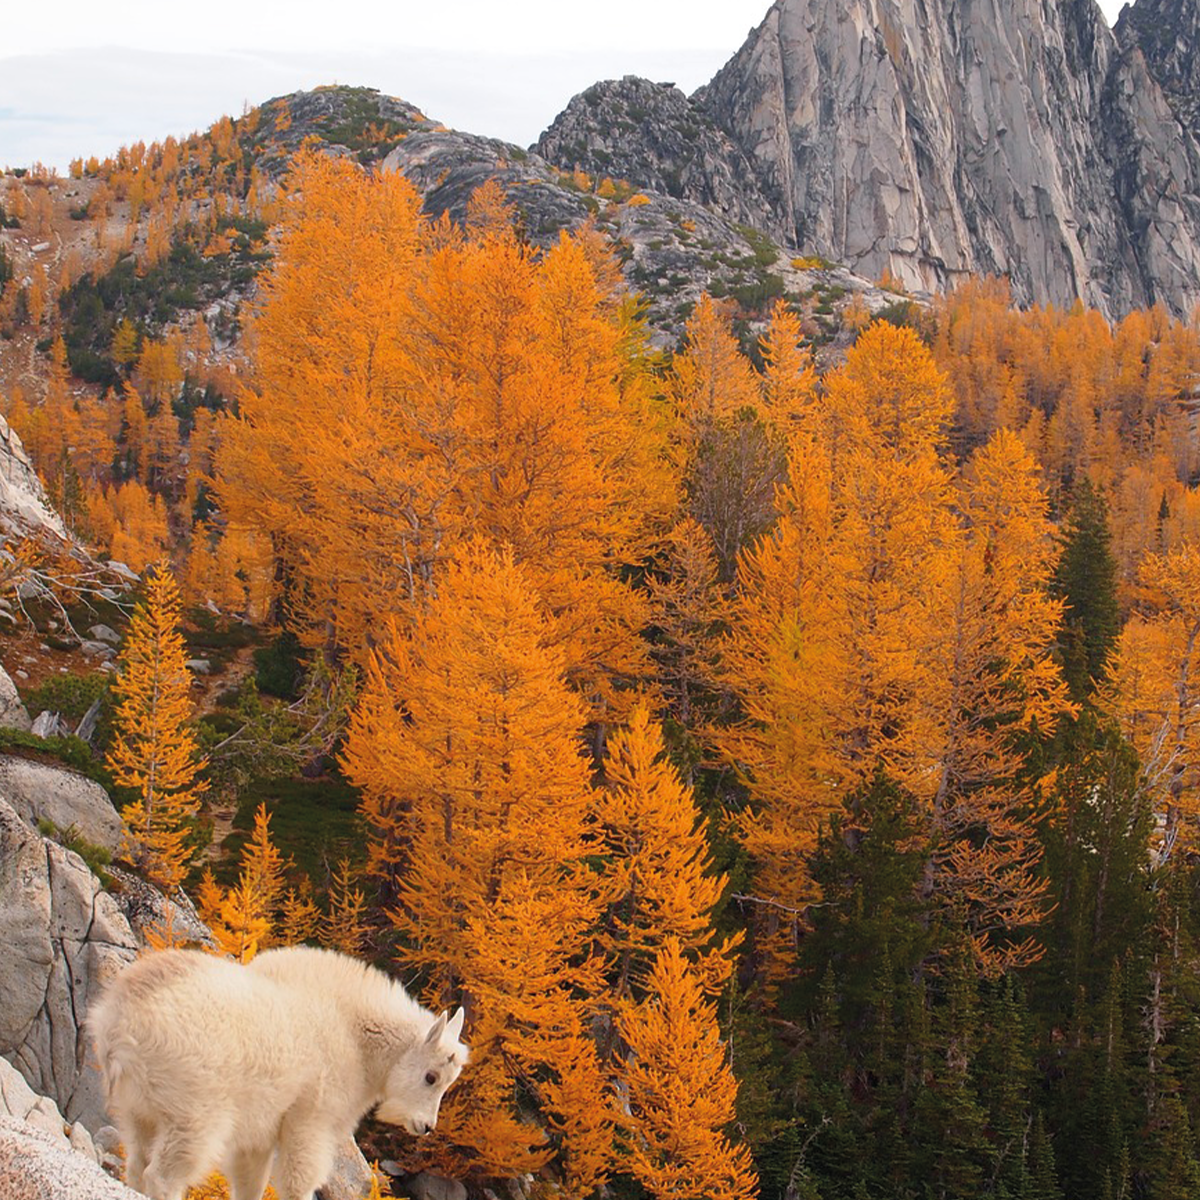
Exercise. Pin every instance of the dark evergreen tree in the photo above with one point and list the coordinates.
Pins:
(1172, 1171)
(953, 1158)
(1041, 1180)
(1003, 1071)
(1086, 578)
(1097, 854)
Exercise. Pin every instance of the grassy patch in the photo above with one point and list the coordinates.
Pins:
(96, 857)
(315, 822)
(67, 751)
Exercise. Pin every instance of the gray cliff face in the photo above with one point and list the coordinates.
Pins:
(24, 508)
(937, 138)
(929, 140)
(1152, 138)
(651, 135)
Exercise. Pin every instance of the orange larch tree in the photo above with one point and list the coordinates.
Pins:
(466, 744)
(689, 608)
(681, 1091)
(890, 622)
(245, 916)
(1153, 686)
(833, 607)
(658, 881)
(450, 385)
(154, 751)
(994, 679)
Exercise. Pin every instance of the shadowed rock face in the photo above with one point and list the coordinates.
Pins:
(652, 135)
(63, 937)
(933, 138)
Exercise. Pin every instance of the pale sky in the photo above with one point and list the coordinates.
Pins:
(80, 78)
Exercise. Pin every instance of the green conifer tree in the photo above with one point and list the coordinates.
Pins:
(1086, 578)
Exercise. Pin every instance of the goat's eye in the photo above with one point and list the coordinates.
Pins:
(431, 1077)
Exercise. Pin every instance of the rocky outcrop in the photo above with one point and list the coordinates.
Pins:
(71, 801)
(63, 937)
(151, 914)
(1151, 135)
(12, 711)
(350, 121)
(18, 1099)
(650, 135)
(36, 1165)
(671, 249)
(23, 505)
(935, 138)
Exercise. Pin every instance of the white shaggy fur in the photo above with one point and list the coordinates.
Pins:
(211, 1065)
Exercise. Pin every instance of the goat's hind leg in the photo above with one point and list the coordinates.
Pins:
(137, 1136)
(180, 1156)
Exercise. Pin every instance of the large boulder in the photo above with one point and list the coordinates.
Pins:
(12, 711)
(65, 937)
(24, 508)
(35, 1165)
(18, 1099)
(39, 790)
(28, 954)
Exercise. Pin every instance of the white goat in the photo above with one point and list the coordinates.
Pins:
(211, 1065)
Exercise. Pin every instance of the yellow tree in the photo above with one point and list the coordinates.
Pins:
(732, 461)
(834, 612)
(154, 752)
(689, 607)
(450, 385)
(789, 383)
(993, 680)
(466, 745)
(342, 927)
(681, 1091)
(1154, 692)
(658, 880)
(245, 916)
(711, 378)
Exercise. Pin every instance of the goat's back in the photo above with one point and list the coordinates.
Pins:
(182, 1032)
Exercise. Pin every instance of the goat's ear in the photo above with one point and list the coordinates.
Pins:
(435, 1031)
(454, 1028)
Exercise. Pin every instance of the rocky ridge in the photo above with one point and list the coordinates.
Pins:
(925, 141)
(650, 134)
(672, 249)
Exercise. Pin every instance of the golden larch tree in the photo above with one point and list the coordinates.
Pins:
(450, 384)
(895, 621)
(834, 608)
(689, 607)
(659, 885)
(1154, 690)
(244, 917)
(466, 743)
(994, 680)
(154, 751)
(681, 1091)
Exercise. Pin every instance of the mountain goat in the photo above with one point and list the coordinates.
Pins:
(209, 1064)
